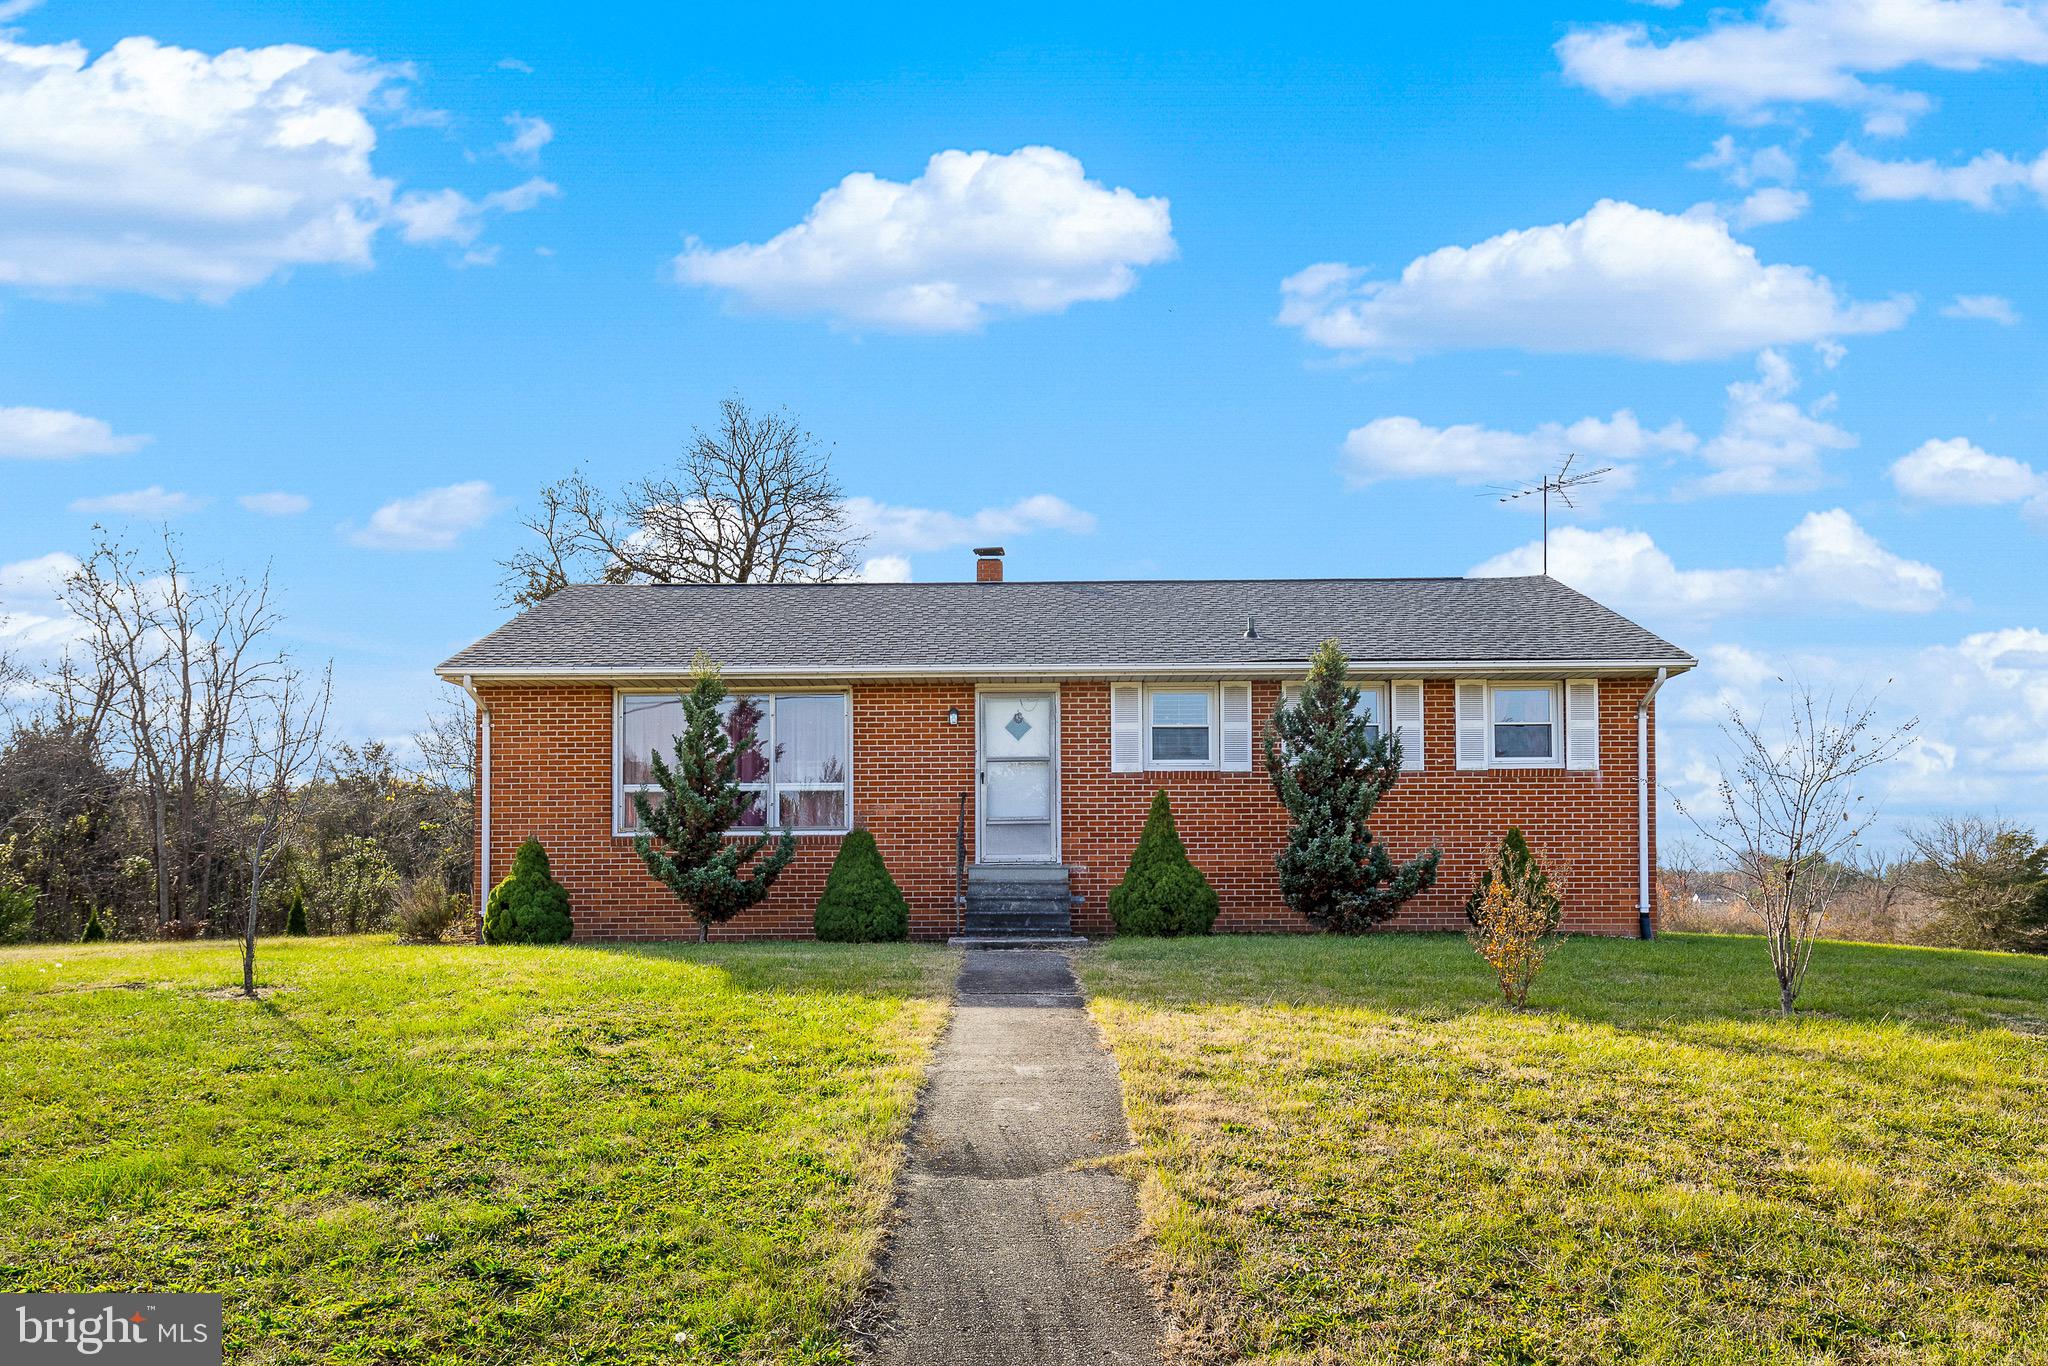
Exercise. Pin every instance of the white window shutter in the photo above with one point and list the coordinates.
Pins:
(1237, 728)
(1407, 720)
(1582, 723)
(1473, 749)
(1126, 728)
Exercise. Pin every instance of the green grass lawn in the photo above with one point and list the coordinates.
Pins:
(1349, 1153)
(461, 1154)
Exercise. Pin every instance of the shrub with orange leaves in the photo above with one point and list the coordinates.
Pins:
(1512, 930)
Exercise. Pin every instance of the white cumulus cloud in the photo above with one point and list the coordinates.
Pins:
(155, 503)
(1771, 204)
(977, 236)
(529, 135)
(33, 618)
(885, 569)
(1984, 182)
(53, 434)
(429, 217)
(1830, 561)
(185, 174)
(275, 504)
(1743, 167)
(1793, 52)
(1622, 280)
(1768, 443)
(1959, 473)
(1983, 308)
(1406, 448)
(895, 530)
(433, 519)
(1982, 703)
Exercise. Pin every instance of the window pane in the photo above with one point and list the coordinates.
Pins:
(746, 730)
(1521, 742)
(629, 815)
(1016, 726)
(1521, 705)
(1180, 709)
(648, 723)
(810, 738)
(1180, 744)
(756, 813)
(822, 809)
(1019, 791)
(1370, 709)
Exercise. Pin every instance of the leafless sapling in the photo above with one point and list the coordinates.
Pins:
(287, 724)
(1789, 810)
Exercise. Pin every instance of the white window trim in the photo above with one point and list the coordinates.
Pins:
(1556, 691)
(621, 795)
(1215, 759)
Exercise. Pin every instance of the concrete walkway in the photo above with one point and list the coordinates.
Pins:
(1001, 1254)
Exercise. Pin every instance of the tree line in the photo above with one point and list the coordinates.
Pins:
(172, 775)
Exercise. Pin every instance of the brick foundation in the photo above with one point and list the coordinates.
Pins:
(551, 775)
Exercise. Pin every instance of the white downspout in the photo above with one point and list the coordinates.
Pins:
(483, 793)
(1643, 807)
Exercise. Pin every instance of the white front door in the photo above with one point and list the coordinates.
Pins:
(1018, 813)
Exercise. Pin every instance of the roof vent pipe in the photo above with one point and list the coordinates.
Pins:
(1251, 627)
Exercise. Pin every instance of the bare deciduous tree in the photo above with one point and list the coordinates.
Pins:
(174, 663)
(752, 501)
(1789, 810)
(1879, 888)
(447, 746)
(286, 724)
(1988, 878)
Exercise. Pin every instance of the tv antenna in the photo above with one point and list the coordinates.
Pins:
(1562, 483)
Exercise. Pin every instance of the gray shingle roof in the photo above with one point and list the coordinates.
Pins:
(1044, 627)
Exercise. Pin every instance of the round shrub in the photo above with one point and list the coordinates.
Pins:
(1162, 892)
(862, 904)
(529, 907)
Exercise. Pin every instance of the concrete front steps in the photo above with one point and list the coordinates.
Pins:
(1023, 906)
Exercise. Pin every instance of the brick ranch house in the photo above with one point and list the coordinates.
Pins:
(1002, 741)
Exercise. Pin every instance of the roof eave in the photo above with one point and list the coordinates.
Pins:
(1275, 668)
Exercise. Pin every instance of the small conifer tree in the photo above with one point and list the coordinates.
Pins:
(862, 904)
(1514, 862)
(95, 928)
(1330, 773)
(529, 907)
(295, 913)
(1162, 891)
(701, 801)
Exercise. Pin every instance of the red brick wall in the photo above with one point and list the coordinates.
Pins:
(551, 774)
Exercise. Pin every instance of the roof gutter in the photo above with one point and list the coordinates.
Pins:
(1643, 807)
(1266, 668)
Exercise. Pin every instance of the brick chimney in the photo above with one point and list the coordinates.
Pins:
(988, 564)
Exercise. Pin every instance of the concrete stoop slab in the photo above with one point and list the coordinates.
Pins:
(1017, 941)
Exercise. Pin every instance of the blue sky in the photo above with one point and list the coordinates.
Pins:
(1278, 296)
